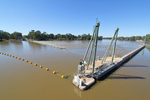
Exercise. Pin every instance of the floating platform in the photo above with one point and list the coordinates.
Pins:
(86, 80)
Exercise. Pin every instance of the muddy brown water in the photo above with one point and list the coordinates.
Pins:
(23, 81)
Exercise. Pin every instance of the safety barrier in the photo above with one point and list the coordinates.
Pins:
(47, 69)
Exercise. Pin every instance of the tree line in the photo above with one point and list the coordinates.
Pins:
(132, 38)
(38, 35)
(6, 35)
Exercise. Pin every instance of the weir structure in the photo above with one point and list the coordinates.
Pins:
(95, 69)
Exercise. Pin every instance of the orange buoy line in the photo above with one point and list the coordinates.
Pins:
(47, 69)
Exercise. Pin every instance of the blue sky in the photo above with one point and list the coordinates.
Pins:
(76, 16)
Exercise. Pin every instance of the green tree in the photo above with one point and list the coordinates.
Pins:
(16, 35)
(83, 37)
(31, 34)
(132, 38)
(51, 36)
(79, 37)
(58, 36)
(4, 35)
(36, 35)
(88, 37)
(1, 35)
(69, 36)
(148, 37)
(138, 38)
(100, 37)
(44, 36)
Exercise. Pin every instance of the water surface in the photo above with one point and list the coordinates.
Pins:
(23, 81)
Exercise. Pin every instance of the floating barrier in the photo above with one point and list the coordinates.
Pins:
(47, 69)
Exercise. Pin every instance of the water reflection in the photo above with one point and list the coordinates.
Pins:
(78, 92)
(121, 76)
(34, 45)
(16, 42)
(4, 43)
(143, 52)
(148, 48)
(135, 66)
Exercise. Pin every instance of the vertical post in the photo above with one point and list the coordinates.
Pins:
(91, 51)
(88, 46)
(95, 46)
(107, 51)
(114, 48)
(145, 40)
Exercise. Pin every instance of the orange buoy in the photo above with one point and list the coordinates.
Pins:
(19, 58)
(47, 69)
(16, 57)
(35, 64)
(54, 72)
(26, 60)
(62, 76)
(41, 66)
(13, 56)
(22, 59)
(30, 62)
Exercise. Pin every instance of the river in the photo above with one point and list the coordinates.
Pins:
(20, 80)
